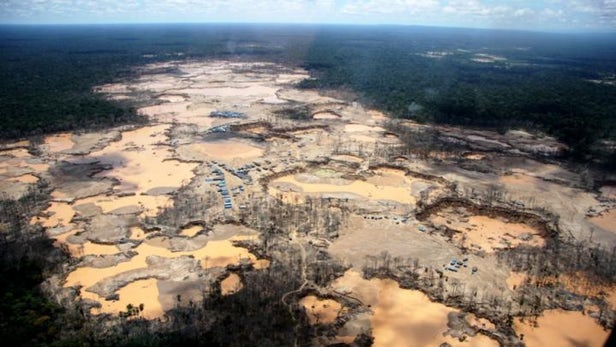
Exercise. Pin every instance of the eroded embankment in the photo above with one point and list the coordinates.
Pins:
(545, 227)
(409, 172)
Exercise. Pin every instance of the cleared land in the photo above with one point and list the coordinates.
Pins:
(168, 209)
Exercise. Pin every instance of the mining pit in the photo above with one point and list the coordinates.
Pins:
(150, 213)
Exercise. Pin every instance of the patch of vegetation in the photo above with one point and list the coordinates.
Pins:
(298, 113)
(27, 257)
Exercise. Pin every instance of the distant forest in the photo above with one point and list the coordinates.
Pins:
(480, 78)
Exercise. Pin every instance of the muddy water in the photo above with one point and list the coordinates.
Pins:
(137, 233)
(191, 231)
(563, 329)
(231, 284)
(491, 234)
(141, 164)
(60, 214)
(321, 311)
(89, 248)
(139, 292)
(215, 253)
(18, 153)
(402, 317)
(361, 188)
(20, 159)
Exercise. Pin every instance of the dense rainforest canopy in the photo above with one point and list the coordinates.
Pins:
(558, 83)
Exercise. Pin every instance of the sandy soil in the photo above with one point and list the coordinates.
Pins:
(172, 98)
(325, 115)
(606, 221)
(572, 204)
(321, 311)
(355, 128)
(226, 150)
(17, 162)
(249, 90)
(166, 108)
(562, 328)
(349, 158)
(58, 143)
(474, 156)
(27, 178)
(515, 280)
(150, 205)
(363, 138)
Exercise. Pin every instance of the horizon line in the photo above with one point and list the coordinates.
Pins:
(545, 31)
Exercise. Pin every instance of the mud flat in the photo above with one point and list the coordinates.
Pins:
(606, 221)
(515, 280)
(562, 328)
(58, 143)
(19, 170)
(608, 192)
(191, 231)
(231, 284)
(326, 115)
(225, 150)
(547, 187)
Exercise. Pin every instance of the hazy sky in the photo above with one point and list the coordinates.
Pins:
(551, 15)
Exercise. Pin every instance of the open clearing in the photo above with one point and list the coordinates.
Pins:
(120, 200)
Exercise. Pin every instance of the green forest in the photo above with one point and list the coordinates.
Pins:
(524, 90)
(538, 82)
